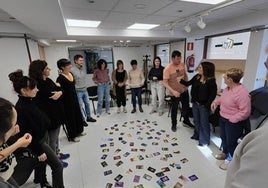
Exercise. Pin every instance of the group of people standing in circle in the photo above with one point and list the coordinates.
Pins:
(44, 105)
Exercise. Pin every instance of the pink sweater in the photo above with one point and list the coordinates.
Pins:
(234, 103)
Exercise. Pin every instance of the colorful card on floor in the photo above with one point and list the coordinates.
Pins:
(178, 185)
(178, 166)
(117, 157)
(103, 145)
(131, 144)
(142, 150)
(161, 183)
(104, 156)
(119, 184)
(164, 178)
(134, 149)
(164, 149)
(157, 138)
(165, 169)
(124, 142)
(149, 156)
(117, 150)
(139, 166)
(104, 164)
(134, 159)
(143, 144)
(184, 160)
(147, 177)
(120, 138)
(110, 139)
(193, 177)
(122, 133)
(183, 179)
(151, 169)
(165, 141)
(158, 133)
(138, 186)
(109, 185)
(136, 179)
(129, 135)
(126, 154)
(160, 174)
(111, 144)
(172, 165)
(174, 144)
(119, 163)
(168, 155)
(108, 172)
(118, 177)
(140, 157)
(155, 143)
(174, 139)
(129, 171)
(156, 153)
(149, 137)
(163, 159)
(176, 152)
(105, 150)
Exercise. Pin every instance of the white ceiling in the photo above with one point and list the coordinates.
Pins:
(45, 19)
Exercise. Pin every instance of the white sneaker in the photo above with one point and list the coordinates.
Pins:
(118, 110)
(75, 139)
(124, 110)
(82, 134)
(224, 165)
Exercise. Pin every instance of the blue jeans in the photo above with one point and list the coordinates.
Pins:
(201, 123)
(103, 92)
(230, 132)
(136, 92)
(83, 100)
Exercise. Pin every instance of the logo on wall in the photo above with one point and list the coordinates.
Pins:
(228, 44)
(190, 46)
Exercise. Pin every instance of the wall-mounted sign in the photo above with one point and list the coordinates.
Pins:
(228, 44)
(190, 46)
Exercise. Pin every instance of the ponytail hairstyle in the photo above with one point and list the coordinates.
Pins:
(20, 81)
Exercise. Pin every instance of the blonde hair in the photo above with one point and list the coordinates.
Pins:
(235, 74)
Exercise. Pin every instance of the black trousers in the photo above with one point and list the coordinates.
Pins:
(184, 99)
(120, 96)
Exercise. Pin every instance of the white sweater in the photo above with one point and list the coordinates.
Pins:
(249, 166)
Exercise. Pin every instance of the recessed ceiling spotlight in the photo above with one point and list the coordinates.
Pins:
(140, 6)
(128, 40)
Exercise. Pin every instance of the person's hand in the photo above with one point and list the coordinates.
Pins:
(179, 78)
(56, 95)
(25, 140)
(58, 84)
(176, 93)
(154, 78)
(42, 157)
(213, 106)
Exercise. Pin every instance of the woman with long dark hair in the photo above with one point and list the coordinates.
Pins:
(203, 92)
(34, 121)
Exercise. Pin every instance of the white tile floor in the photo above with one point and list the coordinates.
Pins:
(85, 170)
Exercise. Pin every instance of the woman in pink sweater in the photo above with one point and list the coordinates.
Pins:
(235, 108)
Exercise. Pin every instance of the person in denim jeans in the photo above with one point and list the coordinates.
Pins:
(101, 78)
(204, 90)
(81, 88)
(235, 108)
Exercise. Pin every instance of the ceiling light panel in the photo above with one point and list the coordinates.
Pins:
(82, 23)
(142, 26)
(212, 2)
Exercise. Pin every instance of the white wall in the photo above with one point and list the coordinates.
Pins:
(14, 56)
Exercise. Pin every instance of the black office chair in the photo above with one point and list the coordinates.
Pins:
(93, 95)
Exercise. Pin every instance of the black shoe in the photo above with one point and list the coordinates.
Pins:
(188, 123)
(194, 137)
(202, 145)
(91, 120)
(140, 108)
(133, 111)
(85, 124)
(45, 185)
(174, 128)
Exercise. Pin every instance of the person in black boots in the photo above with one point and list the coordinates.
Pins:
(203, 92)
(34, 121)
(171, 80)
